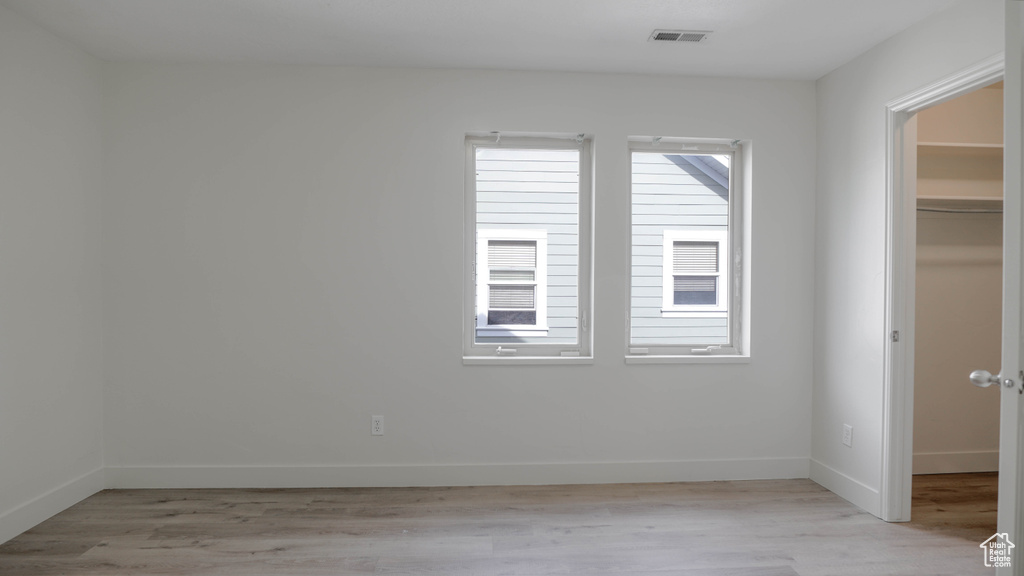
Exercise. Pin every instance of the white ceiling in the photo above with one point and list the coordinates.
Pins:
(752, 38)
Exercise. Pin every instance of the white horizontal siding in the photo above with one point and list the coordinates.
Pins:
(644, 281)
(538, 217)
(647, 260)
(569, 231)
(537, 190)
(561, 265)
(652, 304)
(683, 330)
(679, 179)
(518, 178)
(695, 341)
(647, 250)
(562, 249)
(673, 210)
(505, 186)
(656, 319)
(551, 157)
(673, 196)
(657, 231)
(563, 291)
(669, 195)
(533, 208)
(534, 198)
(498, 164)
(695, 191)
(663, 222)
(648, 292)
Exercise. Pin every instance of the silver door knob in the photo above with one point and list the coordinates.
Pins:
(983, 378)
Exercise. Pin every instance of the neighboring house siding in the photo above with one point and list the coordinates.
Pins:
(517, 192)
(669, 193)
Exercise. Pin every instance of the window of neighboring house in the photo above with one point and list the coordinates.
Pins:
(528, 261)
(695, 275)
(686, 266)
(511, 282)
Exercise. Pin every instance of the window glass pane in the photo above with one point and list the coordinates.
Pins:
(511, 317)
(513, 275)
(696, 290)
(525, 191)
(673, 195)
(512, 297)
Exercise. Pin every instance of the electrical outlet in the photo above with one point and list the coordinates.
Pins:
(848, 435)
(376, 425)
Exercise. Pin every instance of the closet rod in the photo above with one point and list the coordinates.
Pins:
(963, 210)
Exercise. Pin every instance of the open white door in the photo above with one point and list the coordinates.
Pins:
(1012, 404)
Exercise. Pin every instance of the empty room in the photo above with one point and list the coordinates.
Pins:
(547, 287)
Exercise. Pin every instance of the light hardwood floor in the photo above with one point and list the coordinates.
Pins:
(750, 528)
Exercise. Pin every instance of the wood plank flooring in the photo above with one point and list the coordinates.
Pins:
(959, 505)
(750, 528)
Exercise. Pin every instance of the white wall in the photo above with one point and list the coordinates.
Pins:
(259, 309)
(850, 238)
(51, 390)
(975, 118)
(958, 320)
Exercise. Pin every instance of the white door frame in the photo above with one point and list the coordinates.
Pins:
(901, 251)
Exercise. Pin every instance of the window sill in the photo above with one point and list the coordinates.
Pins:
(525, 360)
(504, 332)
(689, 359)
(666, 313)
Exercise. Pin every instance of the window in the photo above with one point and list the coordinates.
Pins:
(528, 257)
(511, 283)
(686, 266)
(694, 272)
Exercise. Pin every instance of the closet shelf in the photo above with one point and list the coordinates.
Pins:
(960, 148)
(961, 144)
(989, 202)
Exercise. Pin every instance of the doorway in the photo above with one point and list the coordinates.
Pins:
(941, 158)
(958, 311)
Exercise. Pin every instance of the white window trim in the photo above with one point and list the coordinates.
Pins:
(494, 354)
(483, 282)
(737, 259)
(668, 307)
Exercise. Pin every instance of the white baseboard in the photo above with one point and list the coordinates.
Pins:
(453, 475)
(25, 516)
(954, 462)
(855, 492)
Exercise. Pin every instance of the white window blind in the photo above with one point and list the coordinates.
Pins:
(512, 254)
(695, 257)
(513, 275)
(695, 284)
(515, 297)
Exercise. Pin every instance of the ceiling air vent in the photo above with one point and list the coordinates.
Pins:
(679, 35)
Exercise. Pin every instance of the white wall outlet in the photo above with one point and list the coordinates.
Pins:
(376, 425)
(848, 435)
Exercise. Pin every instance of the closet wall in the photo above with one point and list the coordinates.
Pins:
(959, 268)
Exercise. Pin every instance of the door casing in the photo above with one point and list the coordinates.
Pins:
(901, 253)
